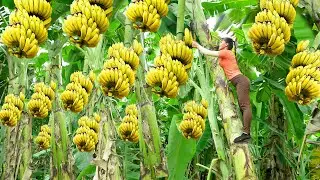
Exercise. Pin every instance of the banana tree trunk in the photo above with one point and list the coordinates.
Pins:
(273, 166)
(153, 164)
(107, 161)
(219, 145)
(18, 138)
(240, 154)
(62, 167)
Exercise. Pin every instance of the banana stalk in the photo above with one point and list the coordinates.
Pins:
(153, 164)
(62, 167)
(107, 162)
(240, 154)
(17, 158)
(180, 19)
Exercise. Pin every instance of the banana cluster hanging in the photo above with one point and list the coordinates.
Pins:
(193, 123)
(44, 137)
(118, 74)
(170, 67)
(41, 100)
(303, 80)
(11, 110)
(146, 14)
(28, 27)
(129, 129)
(77, 92)
(88, 19)
(86, 137)
(271, 30)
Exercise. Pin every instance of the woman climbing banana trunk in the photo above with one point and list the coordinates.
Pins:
(228, 62)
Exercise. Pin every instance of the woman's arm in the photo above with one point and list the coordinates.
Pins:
(204, 50)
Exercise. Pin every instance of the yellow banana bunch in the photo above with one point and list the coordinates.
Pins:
(114, 83)
(128, 132)
(303, 79)
(16, 101)
(193, 123)
(283, 8)
(115, 63)
(167, 39)
(86, 137)
(266, 39)
(44, 137)
(79, 78)
(132, 110)
(172, 66)
(46, 90)
(77, 92)
(89, 123)
(190, 129)
(302, 46)
(21, 43)
(88, 19)
(305, 58)
(95, 12)
(178, 51)
(128, 129)
(39, 8)
(41, 100)
(129, 56)
(155, 76)
(30, 23)
(301, 71)
(81, 31)
(144, 17)
(271, 39)
(167, 81)
(188, 37)
(198, 109)
(160, 5)
(303, 91)
(27, 27)
(106, 5)
(11, 110)
(137, 47)
(118, 73)
(195, 117)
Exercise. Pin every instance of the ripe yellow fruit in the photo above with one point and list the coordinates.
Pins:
(41, 100)
(44, 137)
(86, 137)
(302, 46)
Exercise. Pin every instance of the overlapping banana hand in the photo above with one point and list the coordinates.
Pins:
(27, 28)
(10, 112)
(44, 137)
(129, 129)
(41, 100)
(271, 30)
(88, 19)
(193, 123)
(303, 80)
(146, 14)
(171, 66)
(77, 92)
(118, 74)
(86, 137)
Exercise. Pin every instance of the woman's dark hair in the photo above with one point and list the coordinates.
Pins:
(230, 42)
